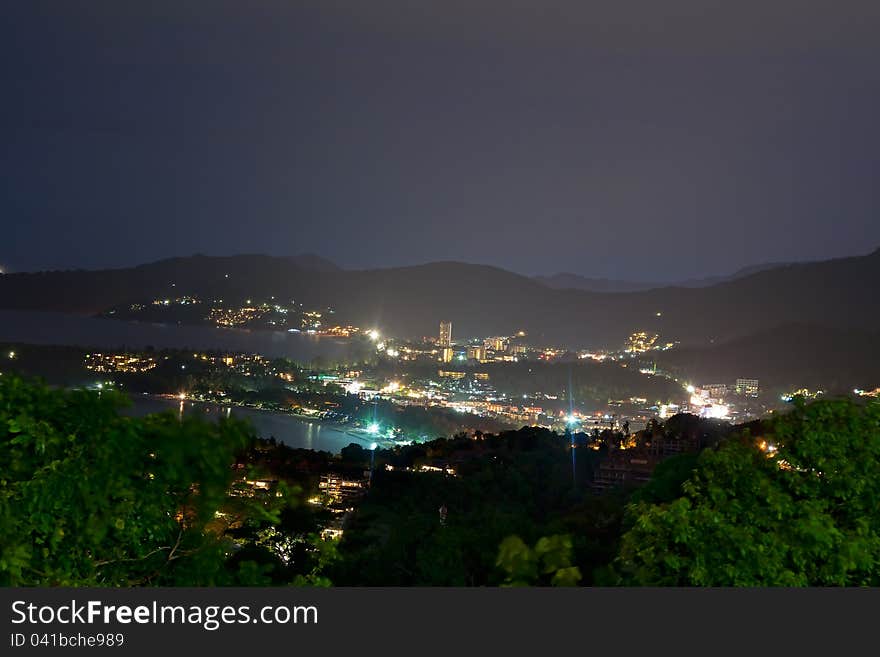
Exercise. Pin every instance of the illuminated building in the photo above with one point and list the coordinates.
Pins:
(496, 343)
(747, 387)
(445, 374)
(476, 353)
(445, 336)
(447, 354)
(339, 489)
(717, 390)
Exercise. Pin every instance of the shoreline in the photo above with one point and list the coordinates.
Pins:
(360, 434)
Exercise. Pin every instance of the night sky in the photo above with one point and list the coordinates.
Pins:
(634, 139)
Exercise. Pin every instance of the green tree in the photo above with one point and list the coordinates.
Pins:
(807, 514)
(92, 497)
(549, 562)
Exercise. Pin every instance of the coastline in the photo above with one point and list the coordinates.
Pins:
(360, 434)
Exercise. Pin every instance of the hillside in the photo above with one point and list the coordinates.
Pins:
(567, 280)
(786, 358)
(482, 300)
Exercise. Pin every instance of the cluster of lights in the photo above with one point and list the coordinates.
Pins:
(119, 363)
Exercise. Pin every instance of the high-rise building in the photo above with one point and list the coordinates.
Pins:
(447, 354)
(445, 334)
(747, 387)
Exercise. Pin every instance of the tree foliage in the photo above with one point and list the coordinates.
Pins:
(549, 562)
(91, 497)
(805, 515)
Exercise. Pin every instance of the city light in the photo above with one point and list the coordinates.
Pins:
(373, 428)
(373, 335)
(11, 354)
(715, 411)
(373, 446)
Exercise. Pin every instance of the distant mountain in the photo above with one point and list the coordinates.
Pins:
(571, 281)
(482, 300)
(785, 358)
(314, 262)
(740, 273)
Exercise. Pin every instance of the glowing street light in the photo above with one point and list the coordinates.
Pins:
(373, 429)
(374, 335)
(373, 447)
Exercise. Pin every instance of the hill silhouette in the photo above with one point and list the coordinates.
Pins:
(482, 300)
(786, 358)
(567, 280)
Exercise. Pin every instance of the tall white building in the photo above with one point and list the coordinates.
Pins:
(445, 334)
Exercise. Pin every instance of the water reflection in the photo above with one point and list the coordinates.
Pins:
(287, 429)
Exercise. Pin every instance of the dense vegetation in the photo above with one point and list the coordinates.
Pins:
(89, 496)
(807, 513)
(516, 483)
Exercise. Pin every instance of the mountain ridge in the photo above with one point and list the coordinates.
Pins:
(410, 301)
(568, 280)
